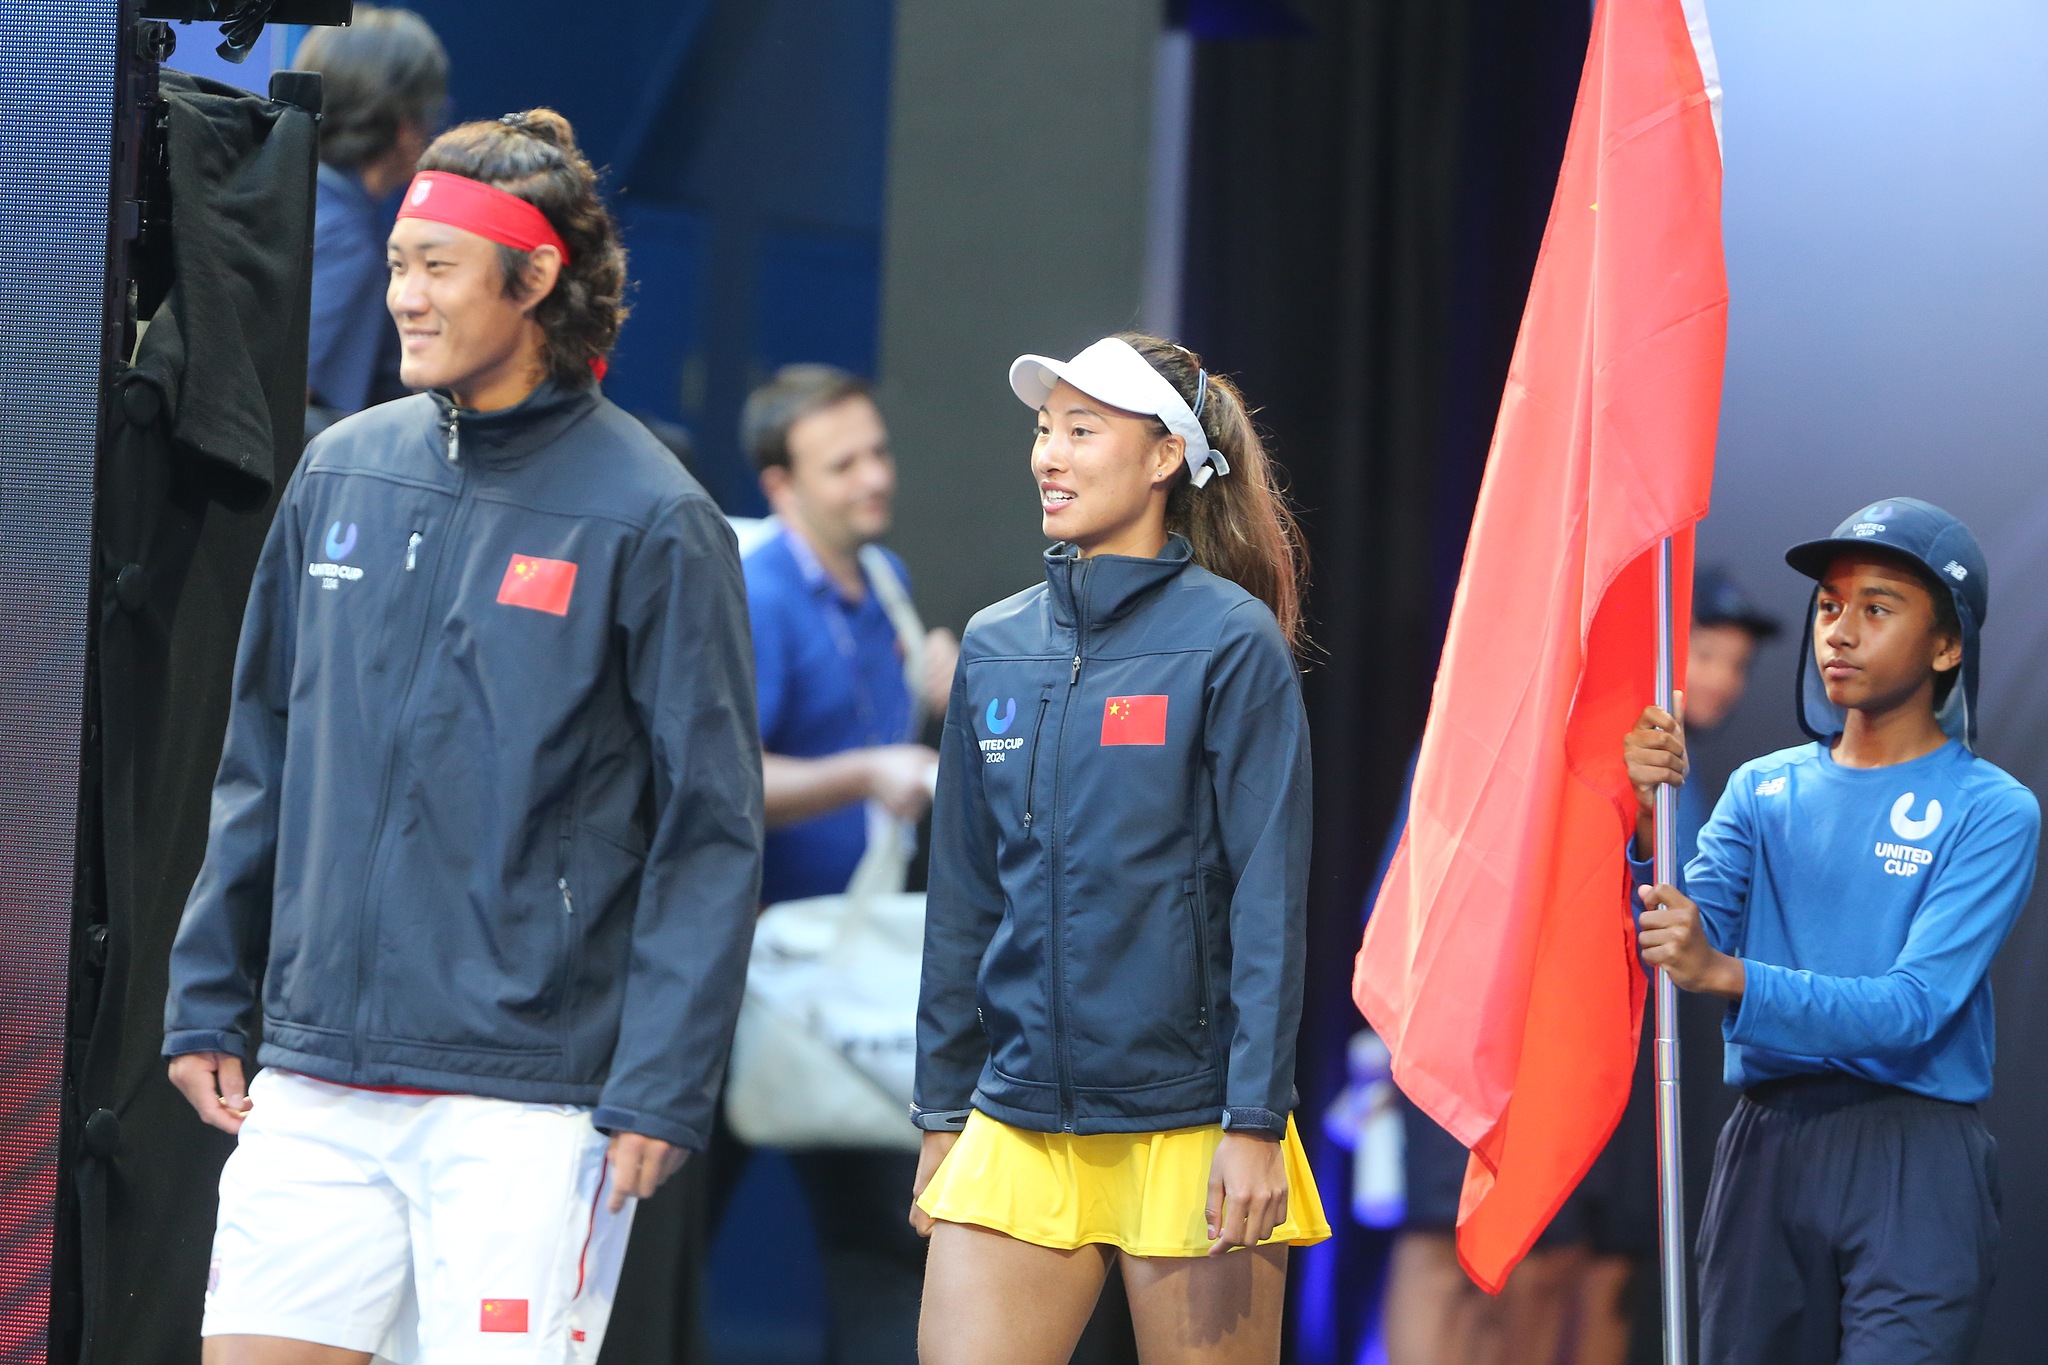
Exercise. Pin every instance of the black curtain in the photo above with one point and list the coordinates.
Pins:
(1365, 207)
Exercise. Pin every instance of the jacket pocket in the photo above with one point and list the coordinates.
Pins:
(1031, 763)
(597, 911)
(1215, 1016)
(572, 931)
(1200, 943)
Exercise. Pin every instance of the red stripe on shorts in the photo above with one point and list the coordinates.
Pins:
(590, 1231)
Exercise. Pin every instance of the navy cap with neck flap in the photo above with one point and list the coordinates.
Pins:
(1940, 544)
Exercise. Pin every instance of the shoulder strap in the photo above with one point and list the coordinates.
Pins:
(895, 598)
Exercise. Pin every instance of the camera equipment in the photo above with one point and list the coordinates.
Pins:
(241, 21)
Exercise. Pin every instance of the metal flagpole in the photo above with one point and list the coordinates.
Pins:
(1670, 1166)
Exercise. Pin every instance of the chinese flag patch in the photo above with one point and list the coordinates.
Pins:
(505, 1315)
(1134, 720)
(542, 584)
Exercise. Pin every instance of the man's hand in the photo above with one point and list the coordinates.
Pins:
(929, 1154)
(639, 1166)
(1247, 1191)
(212, 1083)
(1655, 754)
(899, 776)
(941, 657)
(1671, 935)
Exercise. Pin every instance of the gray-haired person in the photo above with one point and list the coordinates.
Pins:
(384, 84)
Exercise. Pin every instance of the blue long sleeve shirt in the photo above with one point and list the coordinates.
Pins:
(1866, 905)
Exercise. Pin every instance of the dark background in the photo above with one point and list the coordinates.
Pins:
(1372, 199)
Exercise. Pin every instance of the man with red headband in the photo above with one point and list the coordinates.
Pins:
(485, 842)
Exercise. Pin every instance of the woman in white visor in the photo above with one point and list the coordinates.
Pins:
(1114, 939)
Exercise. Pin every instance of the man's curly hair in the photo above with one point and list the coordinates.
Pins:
(534, 156)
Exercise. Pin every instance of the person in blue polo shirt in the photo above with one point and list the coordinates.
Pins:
(1847, 899)
(384, 85)
(839, 753)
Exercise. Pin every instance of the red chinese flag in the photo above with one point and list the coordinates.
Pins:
(504, 1315)
(1134, 720)
(542, 584)
(1499, 963)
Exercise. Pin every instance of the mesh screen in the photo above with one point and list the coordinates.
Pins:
(56, 131)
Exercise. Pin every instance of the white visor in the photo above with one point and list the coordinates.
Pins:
(1114, 372)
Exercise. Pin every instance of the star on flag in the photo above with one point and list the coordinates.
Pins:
(504, 1315)
(1134, 720)
(538, 584)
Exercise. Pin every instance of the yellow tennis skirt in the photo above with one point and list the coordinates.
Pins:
(1140, 1192)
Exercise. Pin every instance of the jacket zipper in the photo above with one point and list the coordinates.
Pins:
(1201, 927)
(1062, 1045)
(1031, 764)
(366, 933)
(412, 552)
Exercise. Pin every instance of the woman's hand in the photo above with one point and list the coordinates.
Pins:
(1247, 1191)
(934, 1150)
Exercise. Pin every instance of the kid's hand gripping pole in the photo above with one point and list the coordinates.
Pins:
(1670, 1152)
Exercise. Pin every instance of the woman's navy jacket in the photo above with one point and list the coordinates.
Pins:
(488, 815)
(1114, 931)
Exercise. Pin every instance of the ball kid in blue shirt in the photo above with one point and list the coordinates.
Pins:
(1847, 899)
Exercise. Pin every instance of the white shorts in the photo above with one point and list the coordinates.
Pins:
(425, 1229)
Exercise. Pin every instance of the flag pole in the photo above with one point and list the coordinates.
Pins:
(1670, 1165)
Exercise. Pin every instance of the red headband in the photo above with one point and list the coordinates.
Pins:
(486, 210)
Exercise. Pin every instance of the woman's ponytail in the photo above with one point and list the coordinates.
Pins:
(1239, 524)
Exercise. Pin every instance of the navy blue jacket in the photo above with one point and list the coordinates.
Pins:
(1114, 932)
(476, 828)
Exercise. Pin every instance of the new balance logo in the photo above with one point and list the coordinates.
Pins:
(1771, 786)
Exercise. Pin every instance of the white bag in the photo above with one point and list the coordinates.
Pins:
(827, 1038)
(826, 1046)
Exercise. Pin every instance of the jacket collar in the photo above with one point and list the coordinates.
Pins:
(510, 435)
(1104, 588)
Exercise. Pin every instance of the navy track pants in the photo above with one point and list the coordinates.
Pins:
(1848, 1222)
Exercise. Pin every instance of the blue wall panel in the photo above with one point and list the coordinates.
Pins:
(744, 144)
(56, 140)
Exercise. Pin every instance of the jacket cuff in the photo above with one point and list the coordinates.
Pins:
(939, 1120)
(610, 1118)
(1759, 981)
(1642, 871)
(182, 1041)
(1261, 1121)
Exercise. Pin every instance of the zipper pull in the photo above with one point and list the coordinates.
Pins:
(454, 437)
(568, 902)
(412, 552)
(1075, 676)
(1027, 819)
